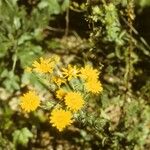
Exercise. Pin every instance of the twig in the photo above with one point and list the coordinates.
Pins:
(67, 22)
(55, 29)
(135, 32)
(77, 10)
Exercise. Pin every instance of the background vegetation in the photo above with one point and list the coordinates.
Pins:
(113, 35)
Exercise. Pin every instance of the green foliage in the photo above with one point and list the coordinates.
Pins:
(11, 81)
(109, 18)
(53, 6)
(22, 136)
(144, 3)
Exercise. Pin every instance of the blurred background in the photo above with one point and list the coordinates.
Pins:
(113, 35)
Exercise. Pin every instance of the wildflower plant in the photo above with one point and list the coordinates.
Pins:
(110, 31)
(69, 88)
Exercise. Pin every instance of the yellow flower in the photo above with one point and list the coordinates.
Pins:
(94, 86)
(70, 72)
(60, 118)
(74, 101)
(88, 73)
(28, 69)
(58, 81)
(44, 66)
(29, 101)
(60, 94)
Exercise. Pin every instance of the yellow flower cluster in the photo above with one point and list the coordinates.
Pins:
(92, 83)
(69, 98)
(61, 118)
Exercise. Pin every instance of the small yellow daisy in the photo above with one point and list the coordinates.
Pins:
(94, 86)
(60, 118)
(44, 66)
(29, 101)
(70, 72)
(74, 101)
(28, 69)
(58, 80)
(60, 94)
(88, 73)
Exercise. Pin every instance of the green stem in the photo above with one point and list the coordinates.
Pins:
(15, 57)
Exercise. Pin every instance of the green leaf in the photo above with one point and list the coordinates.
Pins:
(65, 5)
(27, 53)
(144, 3)
(25, 37)
(3, 48)
(14, 2)
(22, 136)
(17, 22)
(52, 6)
(11, 81)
